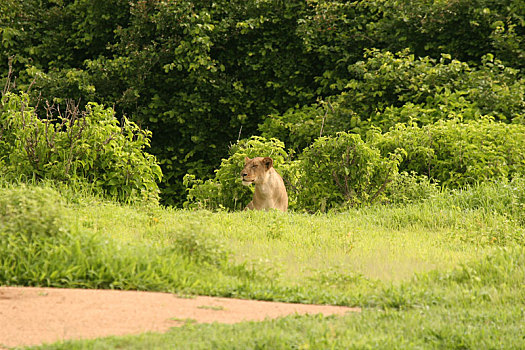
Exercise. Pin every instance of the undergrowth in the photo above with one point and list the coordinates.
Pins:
(445, 272)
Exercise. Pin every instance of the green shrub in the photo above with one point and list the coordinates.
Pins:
(87, 146)
(31, 212)
(193, 243)
(387, 80)
(458, 153)
(225, 190)
(335, 172)
(410, 188)
(343, 170)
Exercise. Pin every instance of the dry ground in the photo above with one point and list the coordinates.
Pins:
(31, 316)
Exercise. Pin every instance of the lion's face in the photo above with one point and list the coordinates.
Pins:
(255, 169)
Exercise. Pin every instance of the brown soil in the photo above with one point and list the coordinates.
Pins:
(32, 316)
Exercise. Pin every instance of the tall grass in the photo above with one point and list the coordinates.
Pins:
(330, 258)
(445, 272)
(490, 213)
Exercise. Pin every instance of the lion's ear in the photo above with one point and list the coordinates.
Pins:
(246, 159)
(268, 162)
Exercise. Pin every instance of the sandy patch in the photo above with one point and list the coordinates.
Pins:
(32, 316)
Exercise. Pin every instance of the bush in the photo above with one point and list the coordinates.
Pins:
(335, 172)
(343, 171)
(31, 212)
(456, 153)
(225, 189)
(195, 245)
(385, 80)
(410, 188)
(78, 147)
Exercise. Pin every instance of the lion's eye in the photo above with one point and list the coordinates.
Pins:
(254, 166)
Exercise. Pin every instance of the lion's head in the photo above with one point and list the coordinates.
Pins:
(255, 169)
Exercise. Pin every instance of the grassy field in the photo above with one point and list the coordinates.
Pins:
(448, 272)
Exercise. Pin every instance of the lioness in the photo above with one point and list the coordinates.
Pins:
(269, 185)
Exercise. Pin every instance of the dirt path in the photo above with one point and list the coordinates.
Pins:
(31, 316)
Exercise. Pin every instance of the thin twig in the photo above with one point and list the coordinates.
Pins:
(324, 118)
(7, 86)
(239, 137)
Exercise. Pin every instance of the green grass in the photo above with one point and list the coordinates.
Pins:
(477, 306)
(415, 329)
(444, 273)
(372, 242)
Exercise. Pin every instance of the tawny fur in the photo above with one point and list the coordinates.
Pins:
(270, 192)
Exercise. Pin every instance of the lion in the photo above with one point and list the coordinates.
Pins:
(270, 192)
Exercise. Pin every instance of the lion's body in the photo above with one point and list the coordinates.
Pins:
(270, 192)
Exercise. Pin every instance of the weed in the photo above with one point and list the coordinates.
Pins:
(211, 307)
(184, 321)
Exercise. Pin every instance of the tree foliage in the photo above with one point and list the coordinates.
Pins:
(201, 75)
(387, 89)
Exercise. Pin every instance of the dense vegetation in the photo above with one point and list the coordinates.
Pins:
(446, 272)
(200, 75)
(397, 125)
(81, 148)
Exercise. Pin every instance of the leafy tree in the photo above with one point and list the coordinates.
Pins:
(387, 89)
(56, 37)
(465, 29)
(201, 75)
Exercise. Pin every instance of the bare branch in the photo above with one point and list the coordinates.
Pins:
(7, 85)
(239, 137)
